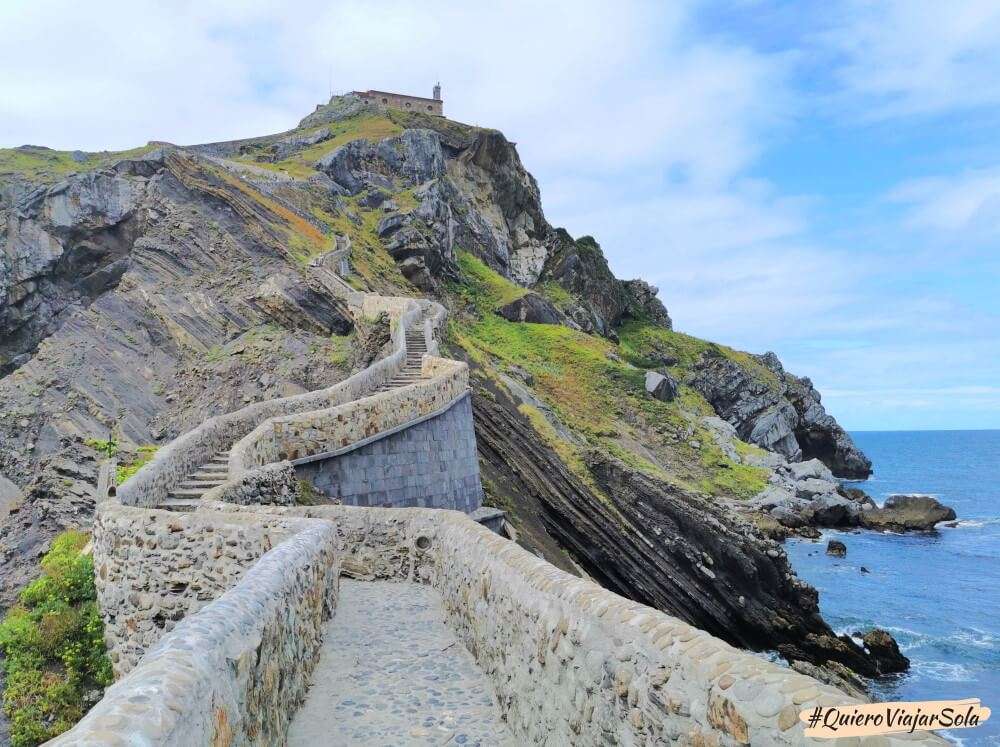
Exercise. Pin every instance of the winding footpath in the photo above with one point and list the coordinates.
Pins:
(392, 672)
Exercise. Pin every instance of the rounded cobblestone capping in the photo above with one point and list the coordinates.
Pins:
(235, 672)
(571, 662)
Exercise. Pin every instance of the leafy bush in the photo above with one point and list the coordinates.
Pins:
(53, 641)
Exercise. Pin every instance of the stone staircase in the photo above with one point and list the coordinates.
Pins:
(188, 493)
(416, 346)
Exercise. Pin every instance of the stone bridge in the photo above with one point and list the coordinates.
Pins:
(235, 617)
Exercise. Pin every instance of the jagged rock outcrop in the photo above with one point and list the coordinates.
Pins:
(907, 512)
(654, 543)
(777, 411)
(531, 308)
(60, 497)
(580, 267)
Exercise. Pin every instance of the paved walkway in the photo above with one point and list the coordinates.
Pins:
(392, 672)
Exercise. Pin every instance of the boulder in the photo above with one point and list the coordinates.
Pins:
(858, 496)
(813, 486)
(531, 307)
(907, 512)
(788, 517)
(885, 651)
(661, 386)
(810, 468)
(833, 510)
(773, 495)
(836, 548)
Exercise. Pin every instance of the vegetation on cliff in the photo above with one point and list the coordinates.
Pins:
(592, 387)
(53, 644)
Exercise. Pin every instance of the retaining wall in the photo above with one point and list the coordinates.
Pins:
(433, 464)
(154, 568)
(570, 662)
(175, 461)
(235, 672)
(323, 432)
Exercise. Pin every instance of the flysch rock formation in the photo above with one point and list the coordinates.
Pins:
(172, 284)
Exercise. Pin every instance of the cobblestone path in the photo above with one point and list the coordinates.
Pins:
(392, 672)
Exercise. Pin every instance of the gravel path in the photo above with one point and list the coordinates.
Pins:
(392, 672)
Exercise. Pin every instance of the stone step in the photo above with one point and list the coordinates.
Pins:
(186, 493)
(199, 484)
(180, 504)
(209, 474)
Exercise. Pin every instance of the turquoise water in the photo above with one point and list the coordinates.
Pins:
(937, 593)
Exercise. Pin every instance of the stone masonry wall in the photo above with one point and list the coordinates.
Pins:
(235, 672)
(570, 662)
(433, 464)
(154, 568)
(324, 431)
(171, 464)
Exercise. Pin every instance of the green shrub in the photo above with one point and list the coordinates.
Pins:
(125, 471)
(53, 641)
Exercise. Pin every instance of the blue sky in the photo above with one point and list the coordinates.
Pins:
(821, 179)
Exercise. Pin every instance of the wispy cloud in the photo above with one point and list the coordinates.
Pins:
(645, 128)
(916, 57)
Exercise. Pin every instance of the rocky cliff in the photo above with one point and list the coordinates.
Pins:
(142, 292)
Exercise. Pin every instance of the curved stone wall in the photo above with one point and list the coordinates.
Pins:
(571, 662)
(234, 673)
(322, 431)
(172, 463)
(431, 464)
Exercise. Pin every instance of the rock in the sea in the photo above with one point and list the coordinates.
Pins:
(836, 548)
(907, 512)
(833, 510)
(531, 307)
(661, 386)
(885, 651)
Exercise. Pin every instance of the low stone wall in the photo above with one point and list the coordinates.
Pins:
(235, 672)
(175, 461)
(155, 568)
(271, 484)
(321, 432)
(571, 662)
(433, 464)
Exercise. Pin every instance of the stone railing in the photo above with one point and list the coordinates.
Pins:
(570, 662)
(324, 432)
(235, 672)
(175, 461)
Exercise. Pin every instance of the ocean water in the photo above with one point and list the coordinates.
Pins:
(937, 593)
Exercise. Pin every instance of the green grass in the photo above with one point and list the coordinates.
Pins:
(596, 393)
(44, 165)
(484, 287)
(53, 643)
(341, 347)
(125, 471)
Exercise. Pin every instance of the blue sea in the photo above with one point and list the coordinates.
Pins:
(937, 593)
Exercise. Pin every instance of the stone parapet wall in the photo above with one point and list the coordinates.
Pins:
(235, 672)
(271, 484)
(154, 568)
(172, 463)
(571, 662)
(326, 431)
(432, 464)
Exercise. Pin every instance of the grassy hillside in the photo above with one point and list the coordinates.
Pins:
(594, 387)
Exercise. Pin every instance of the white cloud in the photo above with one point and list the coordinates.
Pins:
(906, 57)
(966, 202)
